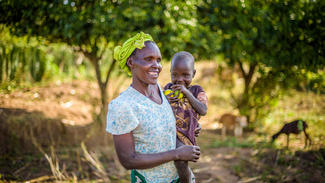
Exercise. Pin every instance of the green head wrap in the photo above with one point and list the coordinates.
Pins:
(122, 53)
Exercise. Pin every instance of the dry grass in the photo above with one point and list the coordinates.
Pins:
(59, 117)
(92, 158)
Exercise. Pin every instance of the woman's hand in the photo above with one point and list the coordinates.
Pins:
(188, 153)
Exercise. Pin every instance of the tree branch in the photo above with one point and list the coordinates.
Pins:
(94, 60)
(242, 69)
(247, 76)
(251, 71)
(102, 52)
(110, 69)
(98, 74)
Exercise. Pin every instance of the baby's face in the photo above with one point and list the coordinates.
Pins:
(182, 73)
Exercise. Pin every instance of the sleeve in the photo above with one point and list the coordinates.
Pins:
(202, 97)
(200, 94)
(167, 86)
(121, 119)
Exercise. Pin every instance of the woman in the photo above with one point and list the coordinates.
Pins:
(141, 120)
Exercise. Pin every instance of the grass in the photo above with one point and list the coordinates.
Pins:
(233, 142)
(269, 162)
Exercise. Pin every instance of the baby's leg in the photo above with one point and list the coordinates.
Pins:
(182, 167)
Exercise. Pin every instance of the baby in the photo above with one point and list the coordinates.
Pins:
(188, 102)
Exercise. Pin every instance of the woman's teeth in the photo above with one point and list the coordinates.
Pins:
(153, 73)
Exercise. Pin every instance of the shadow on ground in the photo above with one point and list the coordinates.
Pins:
(25, 138)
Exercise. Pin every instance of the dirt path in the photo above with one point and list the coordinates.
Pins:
(235, 164)
(62, 112)
(60, 100)
(214, 169)
(216, 165)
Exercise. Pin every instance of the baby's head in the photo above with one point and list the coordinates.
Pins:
(182, 68)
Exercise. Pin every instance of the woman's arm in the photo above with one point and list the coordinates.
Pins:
(124, 146)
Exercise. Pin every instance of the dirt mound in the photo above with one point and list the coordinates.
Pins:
(73, 103)
(59, 116)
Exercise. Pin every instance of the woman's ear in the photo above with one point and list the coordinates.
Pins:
(129, 62)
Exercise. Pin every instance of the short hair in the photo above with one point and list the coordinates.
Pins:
(182, 55)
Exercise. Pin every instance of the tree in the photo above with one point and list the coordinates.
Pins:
(270, 42)
(95, 27)
(17, 57)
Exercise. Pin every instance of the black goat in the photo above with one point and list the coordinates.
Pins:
(294, 127)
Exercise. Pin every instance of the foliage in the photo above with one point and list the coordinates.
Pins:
(92, 25)
(17, 57)
(26, 60)
(299, 32)
(306, 105)
(275, 33)
(95, 27)
(313, 81)
(274, 41)
(270, 41)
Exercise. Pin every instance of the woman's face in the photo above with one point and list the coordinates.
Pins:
(145, 64)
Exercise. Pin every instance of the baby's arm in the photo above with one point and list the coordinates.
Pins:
(199, 104)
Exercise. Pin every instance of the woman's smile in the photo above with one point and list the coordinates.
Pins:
(154, 74)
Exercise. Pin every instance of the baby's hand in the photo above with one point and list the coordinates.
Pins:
(181, 88)
(172, 99)
(197, 130)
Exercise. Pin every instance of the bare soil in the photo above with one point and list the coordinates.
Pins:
(54, 120)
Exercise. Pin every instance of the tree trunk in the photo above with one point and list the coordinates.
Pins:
(101, 84)
(247, 75)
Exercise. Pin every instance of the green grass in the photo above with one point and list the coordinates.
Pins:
(240, 143)
(274, 159)
(232, 142)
